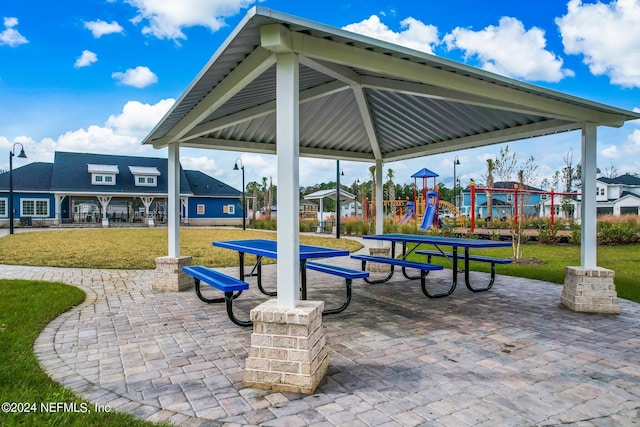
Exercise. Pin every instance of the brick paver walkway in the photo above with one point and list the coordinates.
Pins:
(510, 356)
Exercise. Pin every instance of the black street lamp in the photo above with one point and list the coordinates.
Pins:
(22, 156)
(244, 202)
(455, 190)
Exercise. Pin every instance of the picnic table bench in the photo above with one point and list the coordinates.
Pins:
(477, 258)
(424, 268)
(348, 274)
(231, 287)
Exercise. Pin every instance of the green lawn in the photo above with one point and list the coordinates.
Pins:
(26, 307)
(622, 259)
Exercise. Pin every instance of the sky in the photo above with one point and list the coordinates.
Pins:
(96, 76)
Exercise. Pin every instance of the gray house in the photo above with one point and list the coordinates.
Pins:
(98, 188)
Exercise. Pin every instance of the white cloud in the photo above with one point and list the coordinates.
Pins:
(10, 36)
(415, 35)
(100, 28)
(139, 77)
(608, 37)
(511, 50)
(167, 19)
(611, 152)
(137, 119)
(87, 58)
(121, 134)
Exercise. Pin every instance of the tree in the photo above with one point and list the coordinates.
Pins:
(392, 190)
(491, 166)
(505, 164)
(372, 171)
(253, 188)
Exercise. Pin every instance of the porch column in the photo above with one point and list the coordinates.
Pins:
(58, 213)
(589, 288)
(168, 275)
(104, 202)
(146, 201)
(184, 207)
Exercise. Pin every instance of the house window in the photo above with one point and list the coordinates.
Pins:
(34, 207)
(200, 209)
(151, 180)
(3, 207)
(141, 180)
(102, 179)
(509, 198)
(148, 181)
(229, 209)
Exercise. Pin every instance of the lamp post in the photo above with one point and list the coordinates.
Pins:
(22, 156)
(244, 203)
(456, 162)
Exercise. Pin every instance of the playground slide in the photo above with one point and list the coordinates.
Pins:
(430, 212)
(427, 220)
(406, 218)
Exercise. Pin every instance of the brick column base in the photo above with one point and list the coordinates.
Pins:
(288, 351)
(377, 267)
(590, 290)
(168, 275)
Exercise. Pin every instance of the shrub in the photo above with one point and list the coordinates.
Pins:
(546, 235)
(620, 233)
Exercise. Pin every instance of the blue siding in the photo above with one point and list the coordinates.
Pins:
(17, 204)
(214, 208)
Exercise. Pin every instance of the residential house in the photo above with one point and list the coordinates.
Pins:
(503, 201)
(99, 188)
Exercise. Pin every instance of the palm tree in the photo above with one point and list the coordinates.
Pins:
(392, 191)
(491, 167)
(253, 188)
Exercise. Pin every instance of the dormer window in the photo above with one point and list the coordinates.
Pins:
(145, 176)
(103, 174)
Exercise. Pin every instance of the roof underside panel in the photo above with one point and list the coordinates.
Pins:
(403, 121)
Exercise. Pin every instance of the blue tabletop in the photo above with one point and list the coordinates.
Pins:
(269, 248)
(439, 240)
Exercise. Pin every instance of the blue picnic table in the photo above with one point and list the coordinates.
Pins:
(269, 248)
(440, 242)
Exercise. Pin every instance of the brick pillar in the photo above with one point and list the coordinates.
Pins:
(168, 275)
(375, 266)
(288, 352)
(590, 290)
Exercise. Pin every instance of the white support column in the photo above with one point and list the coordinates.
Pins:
(58, 213)
(589, 206)
(173, 214)
(379, 199)
(184, 207)
(146, 201)
(104, 202)
(589, 288)
(287, 136)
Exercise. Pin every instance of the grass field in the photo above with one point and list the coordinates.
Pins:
(137, 248)
(26, 307)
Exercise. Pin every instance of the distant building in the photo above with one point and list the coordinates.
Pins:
(90, 188)
(502, 203)
(614, 196)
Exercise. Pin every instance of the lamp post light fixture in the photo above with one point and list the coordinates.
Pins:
(244, 201)
(456, 162)
(22, 156)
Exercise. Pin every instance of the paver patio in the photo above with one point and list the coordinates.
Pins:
(510, 356)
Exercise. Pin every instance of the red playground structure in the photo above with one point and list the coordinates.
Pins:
(517, 192)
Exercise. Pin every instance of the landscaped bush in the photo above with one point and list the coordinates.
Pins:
(264, 224)
(616, 234)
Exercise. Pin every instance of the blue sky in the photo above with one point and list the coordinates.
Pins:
(97, 75)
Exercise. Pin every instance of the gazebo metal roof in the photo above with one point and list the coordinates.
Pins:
(361, 98)
(340, 95)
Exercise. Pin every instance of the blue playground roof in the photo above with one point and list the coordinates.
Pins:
(424, 173)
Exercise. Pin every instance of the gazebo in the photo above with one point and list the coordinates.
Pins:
(291, 87)
(320, 195)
